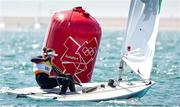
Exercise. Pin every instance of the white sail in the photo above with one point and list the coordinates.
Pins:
(141, 33)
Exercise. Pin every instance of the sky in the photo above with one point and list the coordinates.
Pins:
(97, 8)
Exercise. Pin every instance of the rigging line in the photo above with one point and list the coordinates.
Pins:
(62, 75)
(141, 78)
(127, 88)
(138, 73)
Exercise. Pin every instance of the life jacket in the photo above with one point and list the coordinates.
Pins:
(42, 67)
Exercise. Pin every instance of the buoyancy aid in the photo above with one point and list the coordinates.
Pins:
(42, 67)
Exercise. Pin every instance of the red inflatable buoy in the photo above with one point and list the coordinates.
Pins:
(75, 36)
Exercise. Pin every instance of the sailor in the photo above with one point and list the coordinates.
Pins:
(44, 68)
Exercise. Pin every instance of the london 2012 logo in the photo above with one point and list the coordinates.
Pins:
(77, 58)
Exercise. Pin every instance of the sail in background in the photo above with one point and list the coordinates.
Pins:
(141, 33)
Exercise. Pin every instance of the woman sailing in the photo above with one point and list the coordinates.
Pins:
(44, 69)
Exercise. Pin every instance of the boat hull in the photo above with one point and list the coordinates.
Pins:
(97, 92)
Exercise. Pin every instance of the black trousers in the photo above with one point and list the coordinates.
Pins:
(45, 82)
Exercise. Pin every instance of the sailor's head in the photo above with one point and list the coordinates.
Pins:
(48, 52)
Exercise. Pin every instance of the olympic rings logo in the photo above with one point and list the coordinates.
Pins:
(89, 51)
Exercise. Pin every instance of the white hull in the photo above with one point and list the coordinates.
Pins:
(124, 90)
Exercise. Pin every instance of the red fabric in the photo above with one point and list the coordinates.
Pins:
(75, 37)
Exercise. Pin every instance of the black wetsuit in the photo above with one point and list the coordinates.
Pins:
(46, 82)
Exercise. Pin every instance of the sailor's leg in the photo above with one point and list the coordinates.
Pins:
(71, 83)
(45, 82)
(65, 83)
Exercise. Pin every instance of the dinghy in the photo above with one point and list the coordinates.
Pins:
(137, 53)
(87, 92)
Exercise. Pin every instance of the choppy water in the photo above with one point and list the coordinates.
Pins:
(17, 47)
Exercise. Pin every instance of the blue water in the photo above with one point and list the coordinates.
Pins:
(17, 47)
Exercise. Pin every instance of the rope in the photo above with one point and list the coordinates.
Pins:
(61, 75)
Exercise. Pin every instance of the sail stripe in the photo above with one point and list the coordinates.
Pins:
(160, 1)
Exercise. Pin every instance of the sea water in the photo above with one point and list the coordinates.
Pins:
(18, 47)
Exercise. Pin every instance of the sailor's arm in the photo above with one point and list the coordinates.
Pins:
(38, 59)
